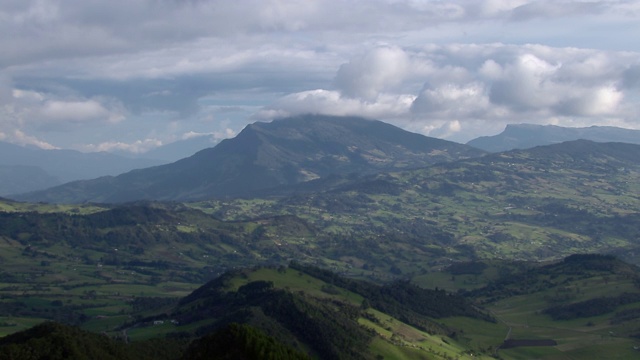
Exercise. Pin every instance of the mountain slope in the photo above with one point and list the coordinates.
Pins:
(540, 203)
(330, 316)
(582, 307)
(55, 341)
(268, 155)
(16, 179)
(523, 136)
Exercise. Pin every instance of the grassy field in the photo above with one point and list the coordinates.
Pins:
(524, 317)
(394, 340)
(11, 324)
(107, 305)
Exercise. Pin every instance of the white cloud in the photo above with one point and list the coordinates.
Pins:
(110, 72)
(524, 83)
(386, 106)
(445, 129)
(530, 10)
(68, 29)
(77, 111)
(20, 138)
(379, 69)
(47, 111)
(193, 134)
(467, 85)
(136, 147)
(215, 135)
(452, 100)
(603, 100)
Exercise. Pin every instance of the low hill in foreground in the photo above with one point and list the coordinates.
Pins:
(303, 311)
(53, 341)
(586, 306)
(298, 311)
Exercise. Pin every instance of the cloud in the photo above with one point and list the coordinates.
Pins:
(451, 99)
(77, 111)
(50, 112)
(603, 100)
(631, 77)
(546, 9)
(365, 76)
(386, 106)
(27, 115)
(20, 138)
(215, 135)
(523, 83)
(136, 147)
(112, 72)
(572, 84)
(50, 29)
(467, 85)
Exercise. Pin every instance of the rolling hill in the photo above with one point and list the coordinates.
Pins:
(492, 231)
(269, 155)
(540, 203)
(580, 307)
(16, 179)
(524, 136)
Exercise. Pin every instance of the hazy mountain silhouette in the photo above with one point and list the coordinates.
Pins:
(524, 136)
(19, 164)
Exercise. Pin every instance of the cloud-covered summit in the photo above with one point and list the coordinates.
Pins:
(450, 88)
(140, 74)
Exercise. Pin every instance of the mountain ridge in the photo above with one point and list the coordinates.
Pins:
(522, 136)
(268, 155)
(59, 166)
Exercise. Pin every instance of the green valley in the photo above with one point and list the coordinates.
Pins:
(471, 257)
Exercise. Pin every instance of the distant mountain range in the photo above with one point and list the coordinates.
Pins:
(299, 154)
(524, 136)
(269, 155)
(27, 169)
(20, 178)
(24, 169)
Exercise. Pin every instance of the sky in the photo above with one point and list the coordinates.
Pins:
(132, 75)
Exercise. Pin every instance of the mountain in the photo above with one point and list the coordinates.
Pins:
(60, 166)
(540, 203)
(268, 155)
(537, 204)
(524, 136)
(16, 179)
(329, 316)
(479, 231)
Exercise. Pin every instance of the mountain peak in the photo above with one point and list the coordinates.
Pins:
(264, 155)
(523, 136)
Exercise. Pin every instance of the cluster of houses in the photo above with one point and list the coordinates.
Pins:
(161, 322)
